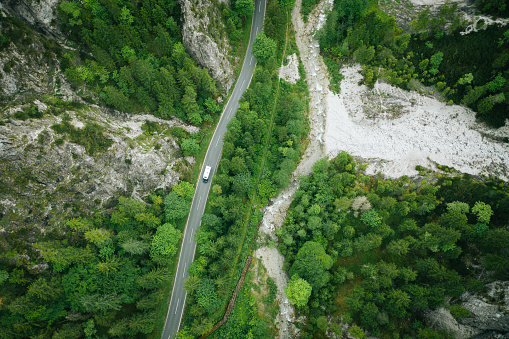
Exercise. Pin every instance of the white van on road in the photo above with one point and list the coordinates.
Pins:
(206, 173)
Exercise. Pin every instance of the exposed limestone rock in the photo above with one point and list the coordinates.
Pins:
(205, 39)
(489, 314)
(45, 178)
(40, 15)
(441, 319)
(290, 72)
(30, 65)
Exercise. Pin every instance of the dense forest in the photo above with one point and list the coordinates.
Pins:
(261, 148)
(134, 59)
(106, 272)
(377, 252)
(97, 276)
(467, 69)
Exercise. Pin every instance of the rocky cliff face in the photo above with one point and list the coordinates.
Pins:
(205, 39)
(29, 61)
(41, 15)
(489, 314)
(47, 176)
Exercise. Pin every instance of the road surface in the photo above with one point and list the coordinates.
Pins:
(178, 296)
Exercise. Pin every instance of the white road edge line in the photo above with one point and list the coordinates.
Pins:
(260, 7)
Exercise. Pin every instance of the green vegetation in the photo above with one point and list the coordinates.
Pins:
(494, 7)
(307, 6)
(465, 69)
(91, 136)
(257, 161)
(107, 275)
(298, 291)
(264, 48)
(246, 321)
(139, 62)
(458, 312)
(377, 251)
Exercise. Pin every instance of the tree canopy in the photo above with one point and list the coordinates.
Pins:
(264, 48)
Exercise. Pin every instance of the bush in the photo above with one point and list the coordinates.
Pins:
(458, 311)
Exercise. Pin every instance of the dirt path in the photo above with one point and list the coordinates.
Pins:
(275, 214)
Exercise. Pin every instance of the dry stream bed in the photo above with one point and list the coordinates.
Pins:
(390, 129)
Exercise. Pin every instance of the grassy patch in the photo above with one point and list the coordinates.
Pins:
(458, 311)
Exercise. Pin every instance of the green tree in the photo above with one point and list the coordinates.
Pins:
(298, 291)
(264, 48)
(436, 60)
(364, 54)
(312, 263)
(184, 189)
(242, 183)
(44, 289)
(79, 224)
(458, 206)
(466, 79)
(125, 16)
(101, 302)
(286, 3)
(368, 242)
(436, 237)
(110, 265)
(119, 328)
(71, 11)
(89, 328)
(165, 241)
(206, 295)
(190, 146)
(97, 236)
(371, 219)
(483, 212)
(69, 330)
(357, 332)
(192, 283)
(244, 8)
(4, 275)
(143, 322)
(151, 300)
(351, 10)
(154, 279)
(322, 323)
(175, 207)
(135, 247)
(398, 247)
(213, 221)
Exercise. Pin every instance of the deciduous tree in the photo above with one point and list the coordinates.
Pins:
(298, 291)
(264, 48)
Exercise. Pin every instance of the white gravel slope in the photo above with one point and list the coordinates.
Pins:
(425, 130)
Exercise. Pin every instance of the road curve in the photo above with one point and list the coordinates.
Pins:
(188, 248)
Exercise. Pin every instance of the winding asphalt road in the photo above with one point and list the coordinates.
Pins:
(178, 296)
